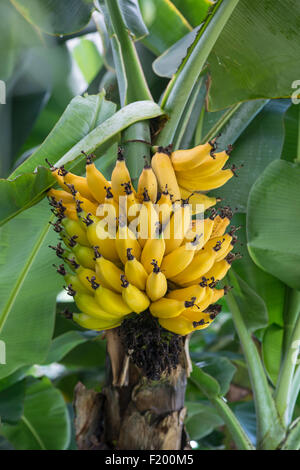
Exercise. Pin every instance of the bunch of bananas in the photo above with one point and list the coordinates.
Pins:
(125, 251)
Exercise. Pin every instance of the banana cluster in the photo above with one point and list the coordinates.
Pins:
(124, 251)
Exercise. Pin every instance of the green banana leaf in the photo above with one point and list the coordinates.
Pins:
(260, 143)
(260, 38)
(44, 424)
(55, 17)
(272, 350)
(28, 288)
(273, 222)
(165, 23)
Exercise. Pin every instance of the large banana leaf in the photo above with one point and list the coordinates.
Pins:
(260, 143)
(44, 424)
(273, 222)
(28, 288)
(254, 56)
(54, 16)
(269, 288)
(165, 23)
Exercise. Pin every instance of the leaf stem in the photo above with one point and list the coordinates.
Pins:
(270, 431)
(285, 379)
(137, 88)
(238, 434)
(181, 85)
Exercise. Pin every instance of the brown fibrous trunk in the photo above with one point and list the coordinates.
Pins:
(133, 412)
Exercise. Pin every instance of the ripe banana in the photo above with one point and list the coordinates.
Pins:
(169, 308)
(61, 195)
(80, 184)
(135, 272)
(148, 221)
(209, 168)
(88, 304)
(95, 180)
(219, 270)
(200, 265)
(100, 237)
(196, 290)
(91, 323)
(108, 273)
(120, 176)
(165, 174)
(177, 227)
(206, 183)
(178, 260)
(148, 181)
(164, 207)
(133, 297)
(156, 286)
(199, 202)
(126, 239)
(153, 249)
(184, 160)
(111, 302)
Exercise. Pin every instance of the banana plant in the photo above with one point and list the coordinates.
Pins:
(167, 73)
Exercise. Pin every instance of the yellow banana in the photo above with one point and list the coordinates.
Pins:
(126, 239)
(184, 160)
(201, 228)
(208, 168)
(219, 270)
(147, 221)
(148, 181)
(168, 308)
(61, 195)
(206, 183)
(95, 180)
(178, 325)
(80, 184)
(88, 304)
(133, 297)
(218, 294)
(108, 273)
(177, 227)
(154, 249)
(182, 326)
(195, 290)
(100, 237)
(111, 301)
(135, 271)
(91, 323)
(156, 286)
(132, 208)
(199, 266)
(164, 172)
(221, 245)
(120, 176)
(178, 260)
(164, 207)
(199, 202)
(88, 278)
